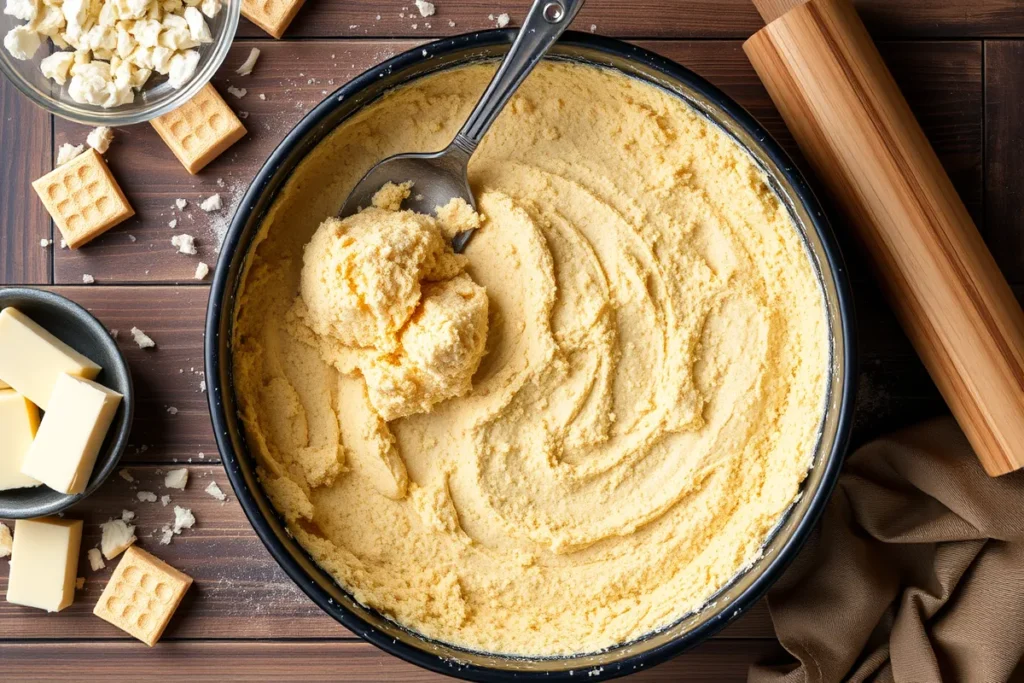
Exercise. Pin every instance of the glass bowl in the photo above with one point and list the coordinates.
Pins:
(781, 545)
(156, 98)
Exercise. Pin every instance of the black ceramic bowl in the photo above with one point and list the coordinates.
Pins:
(780, 547)
(77, 328)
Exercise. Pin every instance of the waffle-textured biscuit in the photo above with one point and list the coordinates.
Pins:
(142, 594)
(83, 198)
(200, 130)
(273, 16)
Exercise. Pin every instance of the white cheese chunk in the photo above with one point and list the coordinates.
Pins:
(21, 42)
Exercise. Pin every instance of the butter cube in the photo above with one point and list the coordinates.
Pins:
(44, 563)
(19, 420)
(31, 358)
(71, 434)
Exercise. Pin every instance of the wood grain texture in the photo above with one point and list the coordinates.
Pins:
(736, 19)
(942, 81)
(712, 662)
(25, 137)
(843, 106)
(239, 590)
(1004, 155)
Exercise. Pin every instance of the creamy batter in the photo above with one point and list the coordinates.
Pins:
(651, 383)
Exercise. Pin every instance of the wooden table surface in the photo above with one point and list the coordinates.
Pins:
(960, 62)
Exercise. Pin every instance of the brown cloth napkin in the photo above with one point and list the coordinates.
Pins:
(915, 573)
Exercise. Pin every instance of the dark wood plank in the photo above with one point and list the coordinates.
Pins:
(713, 662)
(167, 376)
(239, 590)
(25, 138)
(646, 18)
(942, 81)
(1004, 155)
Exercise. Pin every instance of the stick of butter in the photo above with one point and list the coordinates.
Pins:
(31, 358)
(44, 562)
(71, 434)
(19, 420)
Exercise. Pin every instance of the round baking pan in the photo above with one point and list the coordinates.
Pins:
(784, 541)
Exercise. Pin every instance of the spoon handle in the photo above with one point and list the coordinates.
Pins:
(545, 22)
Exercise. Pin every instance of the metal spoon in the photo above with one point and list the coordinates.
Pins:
(441, 176)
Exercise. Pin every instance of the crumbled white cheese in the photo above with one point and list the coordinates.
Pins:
(202, 385)
(6, 540)
(67, 152)
(100, 138)
(426, 8)
(237, 92)
(21, 9)
(142, 339)
(197, 28)
(164, 500)
(21, 42)
(117, 536)
(166, 534)
(181, 204)
(502, 20)
(186, 244)
(127, 515)
(88, 279)
(215, 491)
(146, 496)
(212, 203)
(57, 67)
(176, 479)
(202, 270)
(96, 562)
(173, 223)
(172, 410)
(44, 243)
(183, 519)
(250, 62)
(182, 68)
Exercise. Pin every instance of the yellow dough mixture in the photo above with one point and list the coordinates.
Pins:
(577, 432)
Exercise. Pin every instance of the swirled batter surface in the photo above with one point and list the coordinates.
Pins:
(649, 396)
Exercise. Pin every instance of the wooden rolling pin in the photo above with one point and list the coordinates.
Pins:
(842, 105)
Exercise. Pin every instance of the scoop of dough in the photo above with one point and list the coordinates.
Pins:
(441, 349)
(386, 283)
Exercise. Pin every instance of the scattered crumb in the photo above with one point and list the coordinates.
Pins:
(100, 138)
(172, 410)
(249, 62)
(131, 238)
(237, 92)
(243, 114)
(6, 540)
(165, 499)
(593, 28)
(176, 479)
(202, 456)
(79, 583)
(212, 203)
(183, 519)
(202, 385)
(142, 339)
(44, 243)
(114, 332)
(127, 515)
(146, 496)
(451, 23)
(202, 270)
(88, 279)
(262, 96)
(186, 244)
(215, 491)
(67, 152)
(426, 8)
(63, 243)
(126, 475)
(173, 223)
(117, 536)
(181, 204)
(502, 20)
(96, 562)
(166, 534)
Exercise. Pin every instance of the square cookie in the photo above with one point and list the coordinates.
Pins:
(83, 198)
(142, 595)
(200, 130)
(273, 16)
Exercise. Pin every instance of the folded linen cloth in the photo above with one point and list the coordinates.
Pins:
(914, 574)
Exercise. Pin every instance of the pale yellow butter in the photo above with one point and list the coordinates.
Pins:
(19, 420)
(31, 358)
(44, 563)
(71, 433)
